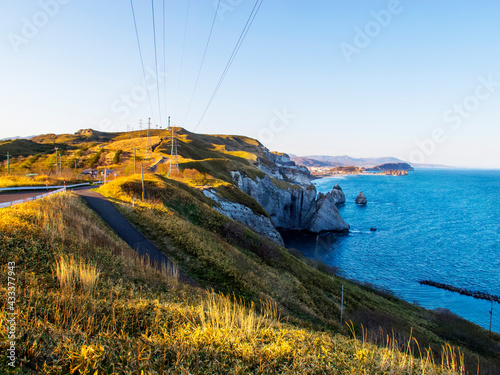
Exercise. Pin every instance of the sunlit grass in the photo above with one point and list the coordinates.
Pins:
(41, 180)
(140, 144)
(240, 154)
(140, 320)
(214, 250)
(72, 274)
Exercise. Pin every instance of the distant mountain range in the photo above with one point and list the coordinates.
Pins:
(14, 138)
(345, 160)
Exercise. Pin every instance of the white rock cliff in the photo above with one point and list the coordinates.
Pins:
(295, 207)
(243, 214)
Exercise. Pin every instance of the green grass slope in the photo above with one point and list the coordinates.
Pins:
(214, 155)
(24, 147)
(89, 304)
(86, 304)
(228, 257)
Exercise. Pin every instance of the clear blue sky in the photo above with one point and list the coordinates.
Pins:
(418, 80)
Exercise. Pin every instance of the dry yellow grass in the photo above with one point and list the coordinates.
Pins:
(128, 144)
(135, 322)
(240, 154)
(41, 180)
(72, 274)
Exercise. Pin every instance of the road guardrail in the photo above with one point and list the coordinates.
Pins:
(24, 200)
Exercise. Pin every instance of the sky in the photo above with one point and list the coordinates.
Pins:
(417, 80)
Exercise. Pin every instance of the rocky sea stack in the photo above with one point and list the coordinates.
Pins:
(361, 199)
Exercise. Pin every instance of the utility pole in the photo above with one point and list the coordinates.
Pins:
(8, 163)
(134, 162)
(168, 123)
(148, 143)
(140, 127)
(142, 178)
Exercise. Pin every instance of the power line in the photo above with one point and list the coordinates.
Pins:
(156, 59)
(140, 54)
(202, 61)
(182, 57)
(164, 56)
(243, 34)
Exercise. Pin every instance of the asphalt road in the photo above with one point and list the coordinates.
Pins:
(124, 229)
(14, 196)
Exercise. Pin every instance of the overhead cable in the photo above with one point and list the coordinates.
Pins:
(243, 34)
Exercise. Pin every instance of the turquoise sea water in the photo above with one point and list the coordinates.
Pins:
(442, 225)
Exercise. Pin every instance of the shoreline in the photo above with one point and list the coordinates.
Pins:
(357, 244)
(340, 175)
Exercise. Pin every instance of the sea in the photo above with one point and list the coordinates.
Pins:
(433, 224)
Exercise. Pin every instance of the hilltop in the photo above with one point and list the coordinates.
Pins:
(218, 219)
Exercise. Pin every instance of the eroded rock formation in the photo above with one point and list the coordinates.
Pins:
(295, 207)
(361, 199)
(243, 214)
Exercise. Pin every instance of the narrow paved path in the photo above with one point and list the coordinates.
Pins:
(124, 229)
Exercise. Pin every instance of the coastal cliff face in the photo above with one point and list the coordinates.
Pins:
(286, 194)
(243, 214)
(295, 207)
(283, 168)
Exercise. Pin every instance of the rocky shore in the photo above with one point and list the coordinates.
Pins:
(395, 172)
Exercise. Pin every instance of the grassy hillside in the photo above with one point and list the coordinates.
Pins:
(225, 255)
(76, 152)
(215, 155)
(88, 305)
(24, 147)
(218, 155)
